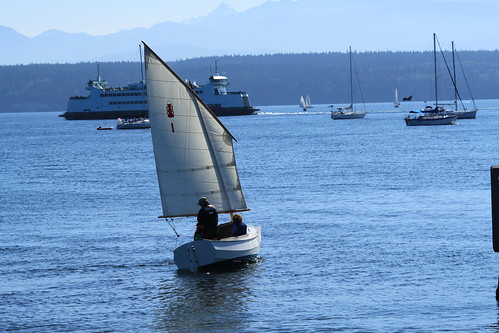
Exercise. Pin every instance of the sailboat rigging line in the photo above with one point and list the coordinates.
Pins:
(450, 74)
(172, 225)
(358, 83)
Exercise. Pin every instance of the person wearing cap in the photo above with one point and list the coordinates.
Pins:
(207, 221)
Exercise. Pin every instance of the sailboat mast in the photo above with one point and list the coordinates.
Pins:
(455, 77)
(351, 80)
(435, 68)
(141, 63)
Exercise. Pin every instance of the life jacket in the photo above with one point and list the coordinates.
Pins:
(239, 229)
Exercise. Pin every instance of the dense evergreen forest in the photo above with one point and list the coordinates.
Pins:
(269, 79)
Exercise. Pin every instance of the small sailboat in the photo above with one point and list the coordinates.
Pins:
(308, 103)
(431, 115)
(194, 157)
(348, 112)
(303, 103)
(463, 113)
(396, 102)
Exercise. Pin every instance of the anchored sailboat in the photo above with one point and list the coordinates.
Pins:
(461, 113)
(194, 157)
(348, 112)
(431, 115)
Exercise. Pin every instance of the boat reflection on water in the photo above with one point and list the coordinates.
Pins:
(200, 302)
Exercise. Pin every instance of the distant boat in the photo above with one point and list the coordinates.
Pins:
(194, 157)
(100, 128)
(302, 104)
(308, 103)
(105, 102)
(431, 115)
(461, 113)
(221, 101)
(348, 112)
(396, 102)
(134, 123)
(305, 103)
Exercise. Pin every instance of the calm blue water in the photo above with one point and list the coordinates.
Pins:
(368, 226)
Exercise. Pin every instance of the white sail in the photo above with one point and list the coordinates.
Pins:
(193, 150)
(396, 102)
(302, 103)
(307, 101)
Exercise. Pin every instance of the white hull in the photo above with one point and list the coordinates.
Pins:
(133, 124)
(202, 253)
(348, 115)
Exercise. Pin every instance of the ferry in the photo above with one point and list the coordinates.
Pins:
(105, 102)
(221, 101)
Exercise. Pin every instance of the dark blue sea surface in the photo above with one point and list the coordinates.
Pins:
(368, 226)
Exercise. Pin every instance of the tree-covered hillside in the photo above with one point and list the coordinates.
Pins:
(269, 79)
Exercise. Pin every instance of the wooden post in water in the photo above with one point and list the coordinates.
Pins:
(494, 186)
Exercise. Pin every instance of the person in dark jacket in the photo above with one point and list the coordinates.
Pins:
(207, 221)
(239, 227)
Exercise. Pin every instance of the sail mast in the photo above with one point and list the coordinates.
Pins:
(435, 69)
(351, 80)
(141, 63)
(455, 77)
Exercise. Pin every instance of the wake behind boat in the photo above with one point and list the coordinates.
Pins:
(194, 157)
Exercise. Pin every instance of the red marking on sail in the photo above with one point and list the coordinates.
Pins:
(173, 129)
(169, 110)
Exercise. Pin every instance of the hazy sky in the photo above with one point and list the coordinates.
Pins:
(100, 17)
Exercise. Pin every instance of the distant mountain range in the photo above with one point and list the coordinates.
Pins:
(275, 27)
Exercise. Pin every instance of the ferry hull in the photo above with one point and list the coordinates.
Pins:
(232, 111)
(91, 115)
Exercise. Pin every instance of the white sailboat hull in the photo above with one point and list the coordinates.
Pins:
(201, 253)
(348, 115)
